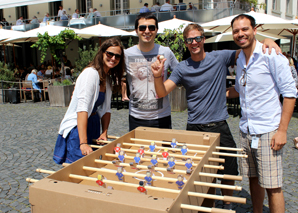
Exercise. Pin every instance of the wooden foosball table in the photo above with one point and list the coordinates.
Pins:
(146, 170)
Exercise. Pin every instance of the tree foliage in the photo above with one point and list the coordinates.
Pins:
(174, 40)
(54, 43)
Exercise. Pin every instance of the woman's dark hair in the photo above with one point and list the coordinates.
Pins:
(115, 73)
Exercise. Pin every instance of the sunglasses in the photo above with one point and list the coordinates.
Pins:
(243, 77)
(111, 55)
(197, 39)
(144, 27)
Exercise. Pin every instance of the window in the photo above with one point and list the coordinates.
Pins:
(81, 5)
(1, 14)
(116, 6)
(276, 5)
(22, 11)
(54, 7)
(289, 8)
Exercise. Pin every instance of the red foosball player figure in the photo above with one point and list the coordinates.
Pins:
(165, 154)
(141, 187)
(117, 149)
(99, 181)
(141, 151)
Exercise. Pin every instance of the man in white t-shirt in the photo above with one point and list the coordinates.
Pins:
(145, 107)
(61, 11)
(20, 21)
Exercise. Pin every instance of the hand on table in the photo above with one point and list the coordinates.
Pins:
(85, 149)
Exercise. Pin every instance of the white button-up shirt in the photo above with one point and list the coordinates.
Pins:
(265, 77)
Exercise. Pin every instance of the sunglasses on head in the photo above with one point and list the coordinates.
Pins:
(111, 55)
(197, 39)
(144, 27)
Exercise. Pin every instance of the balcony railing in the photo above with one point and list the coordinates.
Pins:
(206, 11)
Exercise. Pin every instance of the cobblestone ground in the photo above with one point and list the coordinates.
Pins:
(28, 135)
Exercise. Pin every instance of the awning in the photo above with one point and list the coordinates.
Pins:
(18, 3)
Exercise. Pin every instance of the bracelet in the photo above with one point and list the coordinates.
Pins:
(83, 143)
(157, 77)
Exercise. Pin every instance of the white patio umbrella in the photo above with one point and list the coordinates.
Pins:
(286, 32)
(32, 35)
(263, 21)
(101, 30)
(5, 34)
(229, 37)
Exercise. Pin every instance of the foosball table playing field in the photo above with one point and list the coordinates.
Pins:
(146, 170)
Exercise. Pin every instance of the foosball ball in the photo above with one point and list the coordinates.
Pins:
(146, 170)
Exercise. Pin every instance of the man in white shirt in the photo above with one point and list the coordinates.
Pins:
(76, 14)
(260, 79)
(61, 11)
(20, 21)
(96, 13)
(34, 20)
(156, 7)
(166, 6)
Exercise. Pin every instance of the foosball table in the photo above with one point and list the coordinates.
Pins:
(146, 170)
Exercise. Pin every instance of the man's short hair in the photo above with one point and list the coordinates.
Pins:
(146, 16)
(146, 4)
(242, 16)
(94, 9)
(180, 1)
(193, 26)
(34, 71)
(157, 3)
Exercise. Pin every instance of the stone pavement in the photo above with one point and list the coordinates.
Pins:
(28, 135)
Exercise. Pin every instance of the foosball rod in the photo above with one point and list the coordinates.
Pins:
(221, 167)
(229, 177)
(197, 183)
(189, 150)
(31, 180)
(219, 160)
(177, 155)
(188, 145)
(195, 194)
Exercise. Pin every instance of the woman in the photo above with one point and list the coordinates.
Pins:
(93, 89)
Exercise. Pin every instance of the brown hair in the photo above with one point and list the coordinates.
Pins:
(115, 74)
(193, 26)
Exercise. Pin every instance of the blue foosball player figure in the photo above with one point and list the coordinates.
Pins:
(184, 150)
(148, 178)
(137, 158)
(174, 143)
(180, 182)
(121, 156)
(188, 165)
(153, 160)
(119, 173)
(152, 146)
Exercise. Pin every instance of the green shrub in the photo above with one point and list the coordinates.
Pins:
(65, 82)
(6, 74)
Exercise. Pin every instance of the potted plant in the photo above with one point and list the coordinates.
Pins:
(174, 40)
(60, 93)
(6, 75)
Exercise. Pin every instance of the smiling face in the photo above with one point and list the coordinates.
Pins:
(147, 36)
(244, 33)
(111, 62)
(195, 48)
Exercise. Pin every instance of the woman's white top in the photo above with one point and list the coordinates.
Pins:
(84, 97)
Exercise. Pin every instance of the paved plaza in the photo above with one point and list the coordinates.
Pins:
(28, 135)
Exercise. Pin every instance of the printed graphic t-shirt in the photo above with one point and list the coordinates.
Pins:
(144, 102)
